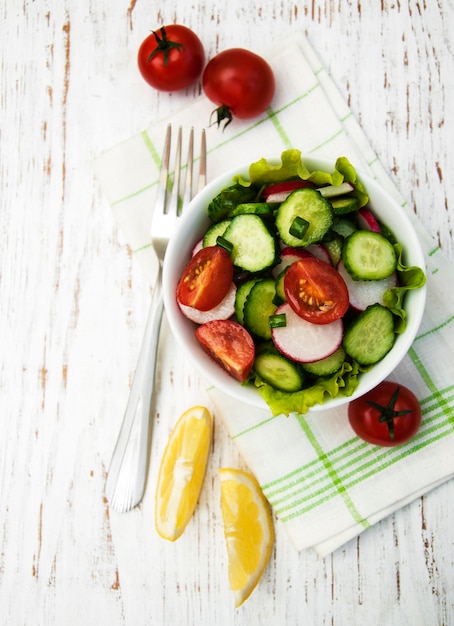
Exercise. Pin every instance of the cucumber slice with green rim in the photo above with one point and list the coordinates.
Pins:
(346, 204)
(334, 248)
(280, 293)
(308, 205)
(259, 306)
(254, 247)
(368, 255)
(241, 296)
(370, 336)
(215, 231)
(255, 208)
(327, 366)
(278, 371)
(343, 227)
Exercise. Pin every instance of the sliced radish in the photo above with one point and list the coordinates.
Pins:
(305, 342)
(278, 192)
(278, 196)
(198, 246)
(363, 293)
(330, 191)
(366, 221)
(319, 251)
(289, 256)
(222, 311)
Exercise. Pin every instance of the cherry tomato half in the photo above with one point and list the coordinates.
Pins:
(171, 58)
(388, 415)
(240, 82)
(230, 345)
(316, 291)
(206, 279)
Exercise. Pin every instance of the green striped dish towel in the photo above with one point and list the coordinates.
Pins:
(324, 484)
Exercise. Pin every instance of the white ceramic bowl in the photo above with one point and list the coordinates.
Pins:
(193, 224)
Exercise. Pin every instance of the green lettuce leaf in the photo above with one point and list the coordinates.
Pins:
(410, 277)
(344, 166)
(291, 166)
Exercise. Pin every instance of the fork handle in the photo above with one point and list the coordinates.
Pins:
(125, 484)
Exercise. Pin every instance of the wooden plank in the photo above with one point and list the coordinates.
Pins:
(73, 305)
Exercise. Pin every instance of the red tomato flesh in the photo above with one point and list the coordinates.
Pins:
(206, 279)
(316, 291)
(230, 345)
(171, 58)
(365, 420)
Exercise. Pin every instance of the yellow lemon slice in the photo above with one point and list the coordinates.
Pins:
(248, 530)
(182, 471)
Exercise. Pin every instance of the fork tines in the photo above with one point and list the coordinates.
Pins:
(173, 205)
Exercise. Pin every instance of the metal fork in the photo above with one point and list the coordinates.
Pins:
(126, 478)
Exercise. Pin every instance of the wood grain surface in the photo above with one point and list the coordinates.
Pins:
(73, 305)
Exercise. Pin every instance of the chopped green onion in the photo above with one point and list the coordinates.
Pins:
(299, 227)
(278, 321)
(224, 243)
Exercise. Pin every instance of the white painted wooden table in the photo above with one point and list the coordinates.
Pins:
(73, 305)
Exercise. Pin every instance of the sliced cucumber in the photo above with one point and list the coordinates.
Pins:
(343, 205)
(334, 248)
(280, 293)
(259, 306)
(241, 296)
(343, 227)
(254, 247)
(215, 231)
(368, 255)
(308, 205)
(327, 366)
(256, 208)
(278, 371)
(370, 336)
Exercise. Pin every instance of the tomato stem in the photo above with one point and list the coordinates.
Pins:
(222, 113)
(164, 45)
(388, 413)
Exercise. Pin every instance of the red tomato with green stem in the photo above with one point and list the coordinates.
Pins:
(171, 58)
(388, 415)
(316, 291)
(240, 82)
(206, 279)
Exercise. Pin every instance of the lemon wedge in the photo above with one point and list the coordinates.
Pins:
(248, 530)
(182, 471)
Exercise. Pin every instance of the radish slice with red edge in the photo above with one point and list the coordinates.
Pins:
(289, 256)
(224, 310)
(363, 293)
(280, 191)
(366, 221)
(304, 342)
(320, 252)
(198, 246)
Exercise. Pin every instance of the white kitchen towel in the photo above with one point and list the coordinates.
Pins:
(325, 485)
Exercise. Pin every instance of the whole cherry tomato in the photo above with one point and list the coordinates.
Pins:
(240, 82)
(171, 58)
(388, 415)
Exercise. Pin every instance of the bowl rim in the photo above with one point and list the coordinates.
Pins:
(195, 219)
